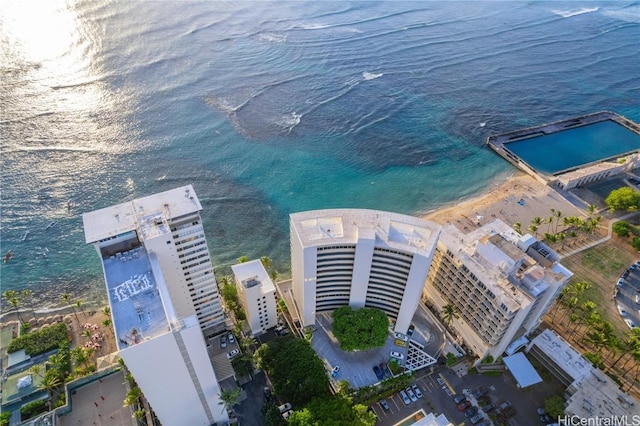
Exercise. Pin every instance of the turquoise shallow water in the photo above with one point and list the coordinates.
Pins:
(574, 147)
(268, 108)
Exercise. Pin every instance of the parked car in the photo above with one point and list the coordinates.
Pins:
(397, 355)
(440, 381)
(622, 311)
(385, 369)
(480, 391)
(459, 398)
(545, 418)
(385, 405)
(412, 395)
(335, 370)
(232, 339)
(287, 414)
(405, 397)
(541, 411)
(267, 393)
(411, 329)
(400, 336)
(464, 405)
(417, 390)
(223, 342)
(475, 419)
(233, 353)
(378, 372)
(284, 407)
(470, 412)
(630, 323)
(620, 282)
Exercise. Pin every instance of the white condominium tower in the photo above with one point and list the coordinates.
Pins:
(167, 224)
(499, 282)
(257, 295)
(162, 293)
(360, 258)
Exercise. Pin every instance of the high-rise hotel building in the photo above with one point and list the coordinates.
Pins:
(360, 258)
(162, 293)
(499, 282)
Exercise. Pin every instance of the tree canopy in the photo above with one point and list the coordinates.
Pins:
(360, 329)
(332, 410)
(624, 198)
(296, 372)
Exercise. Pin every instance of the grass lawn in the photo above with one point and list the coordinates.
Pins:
(601, 266)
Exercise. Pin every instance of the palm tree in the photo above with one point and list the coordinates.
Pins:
(50, 383)
(66, 298)
(449, 313)
(266, 262)
(517, 226)
(27, 296)
(107, 324)
(106, 310)
(229, 398)
(533, 228)
(11, 296)
(242, 259)
(556, 215)
(629, 344)
(80, 305)
(133, 396)
(591, 209)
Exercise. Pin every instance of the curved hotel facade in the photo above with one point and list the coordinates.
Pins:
(360, 258)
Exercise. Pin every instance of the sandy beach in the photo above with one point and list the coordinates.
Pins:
(519, 199)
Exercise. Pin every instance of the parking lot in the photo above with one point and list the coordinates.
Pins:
(627, 295)
(357, 367)
(438, 398)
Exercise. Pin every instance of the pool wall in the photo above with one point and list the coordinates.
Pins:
(499, 143)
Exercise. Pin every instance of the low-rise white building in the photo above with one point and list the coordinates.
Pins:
(257, 294)
(590, 393)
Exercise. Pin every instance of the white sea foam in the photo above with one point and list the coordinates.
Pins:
(290, 121)
(483, 124)
(312, 26)
(371, 76)
(628, 14)
(273, 38)
(570, 13)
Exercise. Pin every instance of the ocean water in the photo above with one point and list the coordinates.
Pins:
(269, 108)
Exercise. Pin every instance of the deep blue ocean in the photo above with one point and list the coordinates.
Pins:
(269, 108)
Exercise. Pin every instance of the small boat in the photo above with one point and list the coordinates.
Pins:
(25, 235)
(51, 225)
(8, 256)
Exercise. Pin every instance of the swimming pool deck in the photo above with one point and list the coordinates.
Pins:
(499, 142)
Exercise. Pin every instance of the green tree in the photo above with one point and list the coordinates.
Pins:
(242, 259)
(272, 416)
(332, 410)
(133, 397)
(554, 406)
(296, 372)
(66, 298)
(621, 228)
(13, 299)
(624, 198)
(449, 313)
(27, 297)
(266, 262)
(359, 329)
(229, 398)
(636, 243)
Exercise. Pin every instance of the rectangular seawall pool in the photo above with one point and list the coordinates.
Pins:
(567, 149)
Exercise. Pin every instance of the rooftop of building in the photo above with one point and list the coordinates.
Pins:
(519, 265)
(392, 230)
(148, 215)
(594, 393)
(135, 297)
(560, 352)
(252, 274)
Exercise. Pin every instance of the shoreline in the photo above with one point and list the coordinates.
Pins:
(519, 198)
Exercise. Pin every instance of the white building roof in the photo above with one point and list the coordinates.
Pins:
(596, 395)
(146, 215)
(393, 230)
(247, 272)
(560, 352)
